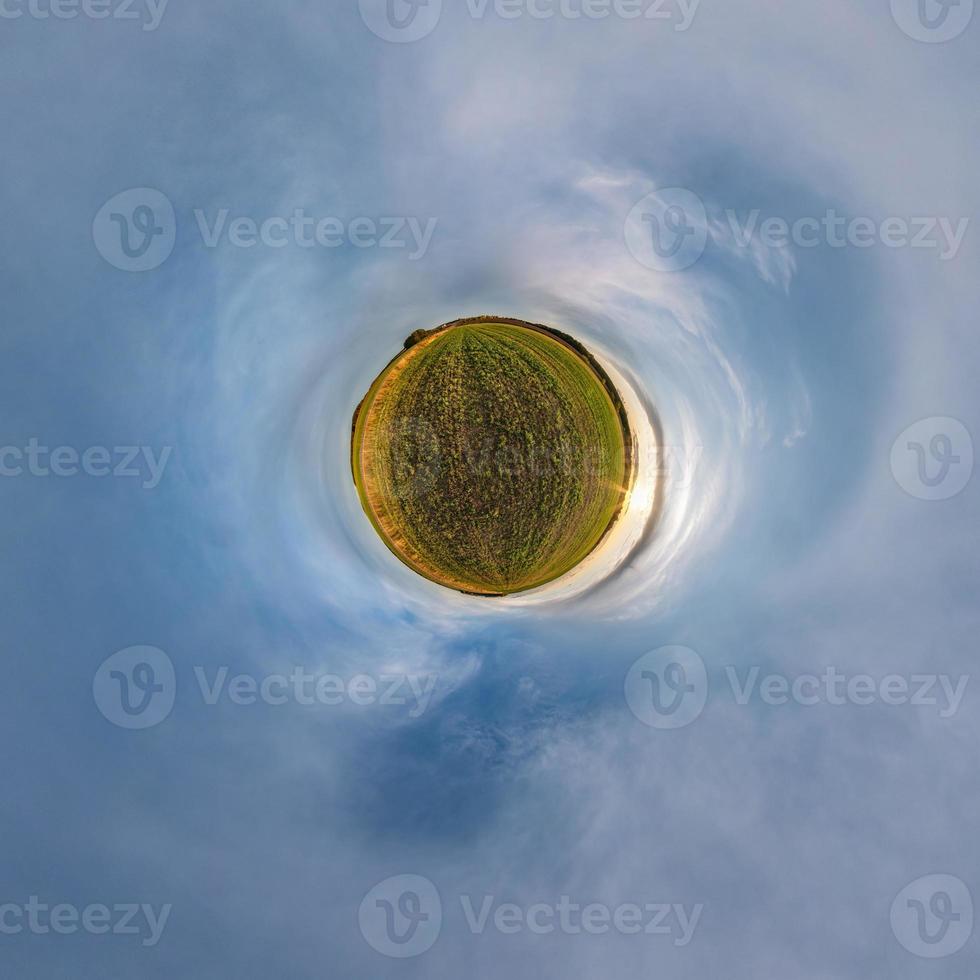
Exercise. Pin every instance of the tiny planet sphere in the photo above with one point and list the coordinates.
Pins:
(492, 455)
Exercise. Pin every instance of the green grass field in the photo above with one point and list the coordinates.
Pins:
(491, 457)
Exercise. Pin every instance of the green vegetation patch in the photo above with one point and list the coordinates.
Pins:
(491, 456)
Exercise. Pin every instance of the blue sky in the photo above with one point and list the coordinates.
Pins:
(784, 376)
